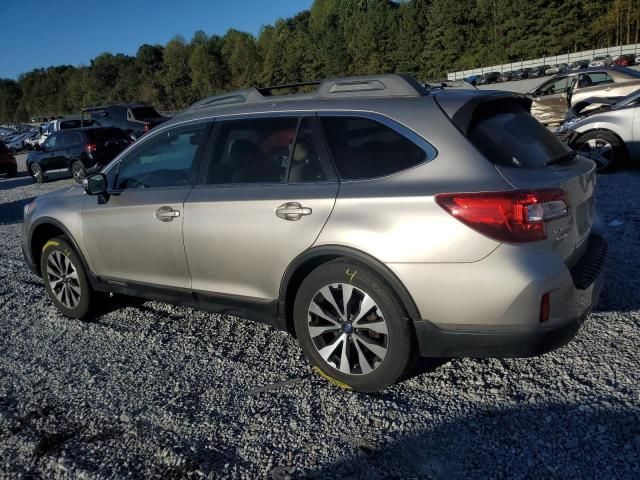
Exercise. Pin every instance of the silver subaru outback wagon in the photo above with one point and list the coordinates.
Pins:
(373, 218)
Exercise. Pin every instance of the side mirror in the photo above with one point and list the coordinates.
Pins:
(96, 184)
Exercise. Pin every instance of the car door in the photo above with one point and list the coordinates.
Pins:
(53, 151)
(594, 84)
(263, 198)
(136, 236)
(550, 100)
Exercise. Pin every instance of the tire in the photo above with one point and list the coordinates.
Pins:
(36, 173)
(604, 148)
(78, 171)
(71, 293)
(365, 370)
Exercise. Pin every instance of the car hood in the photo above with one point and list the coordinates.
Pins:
(71, 190)
(602, 103)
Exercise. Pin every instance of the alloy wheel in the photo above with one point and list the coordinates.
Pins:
(78, 172)
(36, 172)
(598, 150)
(348, 329)
(63, 279)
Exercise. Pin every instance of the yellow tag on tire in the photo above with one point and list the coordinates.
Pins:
(50, 243)
(330, 379)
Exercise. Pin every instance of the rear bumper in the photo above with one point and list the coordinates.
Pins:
(519, 333)
(436, 342)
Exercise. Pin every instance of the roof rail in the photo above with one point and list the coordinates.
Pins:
(268, 91)
(387, 85)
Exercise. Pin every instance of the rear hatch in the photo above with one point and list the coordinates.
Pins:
(530, 157)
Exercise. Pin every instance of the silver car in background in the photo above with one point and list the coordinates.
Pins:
(373, 218)
(609, 133)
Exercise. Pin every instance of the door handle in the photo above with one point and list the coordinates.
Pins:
(167, 214)
(292, 211)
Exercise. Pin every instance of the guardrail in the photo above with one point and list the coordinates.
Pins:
(633, 49)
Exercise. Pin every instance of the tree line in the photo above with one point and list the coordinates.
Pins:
(426, 38)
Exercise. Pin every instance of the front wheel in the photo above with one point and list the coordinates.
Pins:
(351, 327)
(604, 148)
(65, 278)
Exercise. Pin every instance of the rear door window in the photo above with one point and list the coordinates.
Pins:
(594, 79)
(71, 138)
(508, 135)
(254, 150)
(363, 148)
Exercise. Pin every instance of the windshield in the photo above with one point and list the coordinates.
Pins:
(141, 113)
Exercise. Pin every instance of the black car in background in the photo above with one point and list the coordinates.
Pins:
(539, 71)
(76, 152)
(505, 77)
(489, 77)
(521, 74)
(133, 118)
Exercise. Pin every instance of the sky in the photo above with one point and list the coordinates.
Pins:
(42, 33)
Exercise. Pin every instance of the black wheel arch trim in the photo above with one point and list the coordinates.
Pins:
(341, 251)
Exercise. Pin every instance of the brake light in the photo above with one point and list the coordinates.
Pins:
(147, 126)
(90, 147)
(516, 216)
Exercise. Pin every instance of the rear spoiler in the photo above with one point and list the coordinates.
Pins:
(461, 105)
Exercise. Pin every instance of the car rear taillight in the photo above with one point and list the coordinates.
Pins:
(516, 216)
(147, 126)
(90, 147)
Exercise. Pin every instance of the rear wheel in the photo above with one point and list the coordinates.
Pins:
(78, 171)
(604, 148)
(65, 278)
(351, 327)
(36, 173)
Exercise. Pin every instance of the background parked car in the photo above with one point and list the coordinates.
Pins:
(76, 152)
(505, 76)
(552, 98)
(625, 61)
(8, 164)
(601, 61)
(579, 65)
(539, 71)
(472, 79)
(489, 77)
(560, 68)
(135, 118)
(608, 136)
(521, 74)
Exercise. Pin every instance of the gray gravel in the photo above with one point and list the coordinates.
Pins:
(149, 390)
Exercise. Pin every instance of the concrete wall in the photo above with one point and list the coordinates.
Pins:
(552, 60)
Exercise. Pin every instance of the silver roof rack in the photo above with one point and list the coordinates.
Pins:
(388, 85)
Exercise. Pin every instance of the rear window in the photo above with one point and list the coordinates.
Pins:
(363, 148)
(104, 134)
(141, 113)
(508, 135)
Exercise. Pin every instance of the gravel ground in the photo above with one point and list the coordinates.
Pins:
(149, 390)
